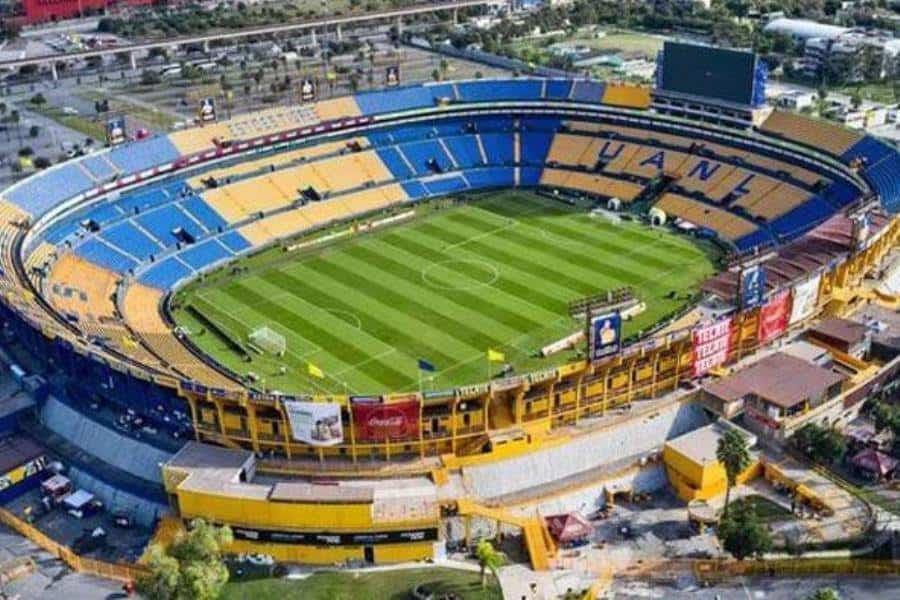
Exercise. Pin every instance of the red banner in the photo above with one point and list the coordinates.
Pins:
(774, 317)
(377, 422)
(712, 343)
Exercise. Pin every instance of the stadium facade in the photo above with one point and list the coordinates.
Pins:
(92, 248)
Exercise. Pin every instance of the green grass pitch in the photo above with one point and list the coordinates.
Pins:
(496, 272)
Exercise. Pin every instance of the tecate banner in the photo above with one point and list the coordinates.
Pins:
(712, 343)
(773, 316)
(316, 423)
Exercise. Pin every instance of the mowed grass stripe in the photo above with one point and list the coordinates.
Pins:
(344, 349)
(625, 232)
(376, 319)
(570, 257)
(393, 315)
(578, 280)
(510, 309)
(473, 327)
(599, 240)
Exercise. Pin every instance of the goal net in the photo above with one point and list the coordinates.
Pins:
(268, 341)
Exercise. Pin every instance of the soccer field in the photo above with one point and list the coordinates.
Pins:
(494, 273)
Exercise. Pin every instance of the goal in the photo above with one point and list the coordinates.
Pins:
(268, 340)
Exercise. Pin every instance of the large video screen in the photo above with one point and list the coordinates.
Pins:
(710, 72)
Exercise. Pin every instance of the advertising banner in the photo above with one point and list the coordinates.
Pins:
(392, 76)
(377, 421)
(316, 423)
(753, 286)
(805, 296)
(207, 110)
(606, 335)
(307, 90)
(115, 131)
(773, 317)
(712, 343)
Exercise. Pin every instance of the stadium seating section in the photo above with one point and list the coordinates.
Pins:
(105, 265)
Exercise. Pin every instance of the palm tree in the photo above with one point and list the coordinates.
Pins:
(489, 559)
(734, 455)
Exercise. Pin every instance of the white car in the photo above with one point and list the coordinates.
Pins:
(68, 110)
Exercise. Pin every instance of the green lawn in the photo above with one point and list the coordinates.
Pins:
(384, 585)
(766, 510)
(495, 273)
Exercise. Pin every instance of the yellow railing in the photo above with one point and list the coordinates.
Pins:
(796, 567)
(82, 564)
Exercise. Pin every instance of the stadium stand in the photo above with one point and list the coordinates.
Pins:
(591, 183)
(815, 133)
(724, 223)
(629, 96)
(36, 196)
(76, 286)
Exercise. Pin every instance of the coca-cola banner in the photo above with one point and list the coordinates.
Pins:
(773, 316)
(712, 342)
(379, 421)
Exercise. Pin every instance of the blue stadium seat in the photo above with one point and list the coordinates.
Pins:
(529, 176)
(408, 98)
(164, 220)
(101, 254)
(758, 239)
(99, 167)
(884, 177)
(558, 89)
(151, 197)
(802, 218)
(234, 241)
(204, 254)
(203, 212)
(39, 193)
(134, 157)
(464, 149)
(493, 90)
(395, 163)
(420, 153)
(534, 147)
(491, 177)
(165, 274)
(588, 91)
(414, 189)
(868, 148)
(445, 185)
(125, 236)
(498, 147)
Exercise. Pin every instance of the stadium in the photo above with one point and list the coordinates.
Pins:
(400, 307)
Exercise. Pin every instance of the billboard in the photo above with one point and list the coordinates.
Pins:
(709, 72)
(606, 335)
(379, 421)
(115, 131)
(753, 286)
(712, 343)
(773, 317)
(392, 76)
(207, 110)
(316, 423)
(805, 297)
(307, 90)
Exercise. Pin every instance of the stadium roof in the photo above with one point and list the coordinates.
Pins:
(779, 378)
(804, 28)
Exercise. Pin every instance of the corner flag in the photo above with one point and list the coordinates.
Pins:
(424, 365)
(495, 356)
(315, 371)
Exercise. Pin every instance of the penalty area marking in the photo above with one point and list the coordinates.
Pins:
(490, 269)
(337, 312)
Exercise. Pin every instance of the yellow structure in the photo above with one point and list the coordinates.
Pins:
(692, 467)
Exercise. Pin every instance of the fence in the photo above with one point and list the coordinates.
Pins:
(82, 564)
(712, 570)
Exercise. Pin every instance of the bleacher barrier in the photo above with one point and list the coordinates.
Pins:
(81, 564)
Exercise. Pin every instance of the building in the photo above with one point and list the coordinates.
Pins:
(774, 390)
(692, 467)
(843, 335)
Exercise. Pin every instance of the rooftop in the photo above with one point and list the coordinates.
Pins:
(700, 445)
(779, 378)
(843, 330)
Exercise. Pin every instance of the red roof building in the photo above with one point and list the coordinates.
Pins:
(569, 527)
(877, 463)
(41, 11)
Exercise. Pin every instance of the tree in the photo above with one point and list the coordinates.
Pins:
(824, 594)
(742, 534)
(734, 455)
(819, 443)
(191, 568)
(489, 559)
(38, 100)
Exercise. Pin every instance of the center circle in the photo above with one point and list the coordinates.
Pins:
(471, 274)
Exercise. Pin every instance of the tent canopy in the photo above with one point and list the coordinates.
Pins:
(569, 527)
